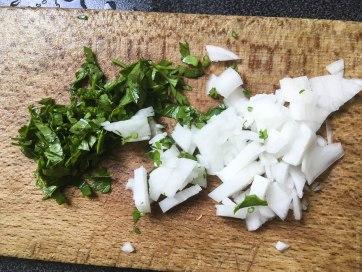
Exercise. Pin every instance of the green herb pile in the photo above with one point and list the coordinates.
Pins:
(68, 141)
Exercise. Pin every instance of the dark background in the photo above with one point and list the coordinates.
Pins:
(318, 9)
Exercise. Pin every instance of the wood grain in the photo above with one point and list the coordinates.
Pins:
(39, 52)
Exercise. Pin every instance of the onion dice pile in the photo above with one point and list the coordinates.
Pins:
(264, 146)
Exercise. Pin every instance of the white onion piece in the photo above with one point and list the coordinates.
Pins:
(254, 220)
(179, 176)
(183, 136)
(227, 82)
(140, 190)
(228, 201)
(278, 142)
(259, 186)
(280, 171)
(228, 211)
(157, 138)
(321, 141)
(329, 133)
(212, 139)
(333, 91)
(158, 178)
(307, 112)
(317, 159)
(127, 247)
(298, 179)
(170, 156)
(303, 140)
(267, 113)
(336, 67)
(237, 100)
(246, 156)
(278, 200)
(239, 197)
(137, 125)
(170, 202)
(266, 212)
(281, 246)
(155, 128)
(238, 182)
(297, 206)
(293, 87)
(217, 53)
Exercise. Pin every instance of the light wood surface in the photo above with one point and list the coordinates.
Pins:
(39, 52)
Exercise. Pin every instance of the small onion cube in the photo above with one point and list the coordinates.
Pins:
(217, 53)
(281, 246)
(170, 202)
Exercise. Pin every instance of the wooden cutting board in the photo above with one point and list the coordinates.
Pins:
(39, 52)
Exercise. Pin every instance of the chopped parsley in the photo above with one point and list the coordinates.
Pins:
(68, 140)
(250, 109)
(213, 93)
(263, 134)
(234, 34)
(247, 93)
(301, 91)
(249, 202)
(136, 215)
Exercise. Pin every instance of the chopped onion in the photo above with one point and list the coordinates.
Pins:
(134, 129)
(297, 206)
(241, 180)
(227, 82)
(281, 246)
(260, 186)
(254, 220)
(246, 156)
(317, 159)
(127, 247)
(170, 202)
(321, 141)
(336, 68)
(280, 171)
(298, 179)
(140, 190)
(228, 211)
(217, 53)
(278, 200)
(304, 139)
(183, 136)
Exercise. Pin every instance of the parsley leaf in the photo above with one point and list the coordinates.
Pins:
(186, 155)
(184, 49)
(263, 134)
(250, 201)
(136, 215)
(301, 91)
(250, 109)
(234, 34)
(191, 60)
(213, 93)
